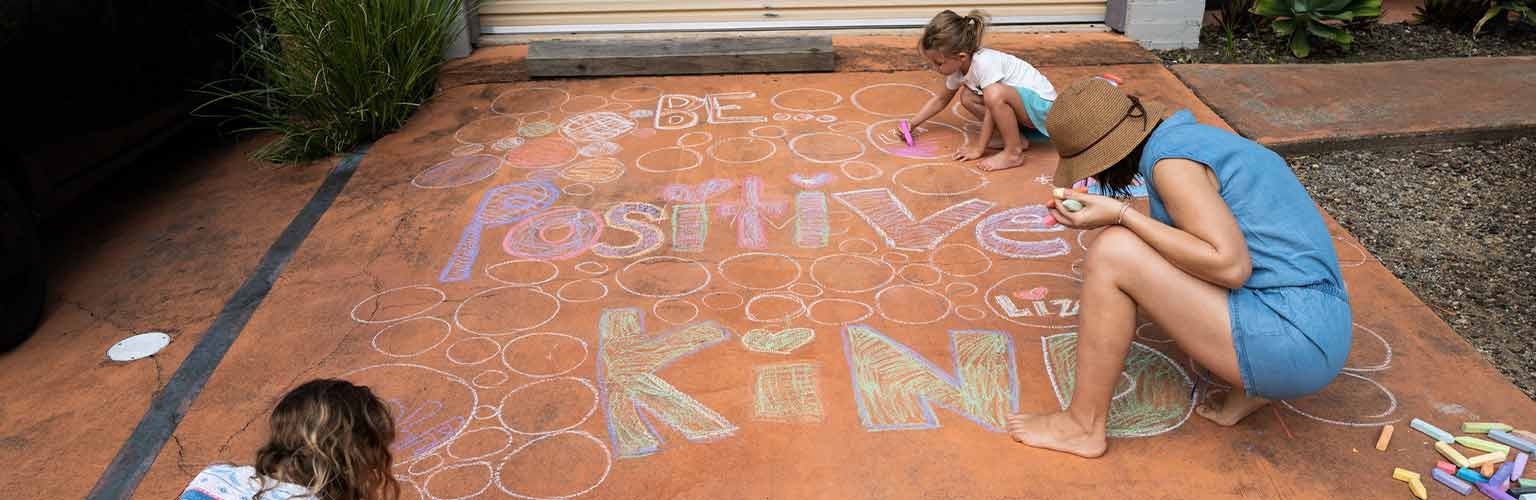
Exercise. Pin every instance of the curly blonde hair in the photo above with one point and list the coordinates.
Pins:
(333, 438)
(951, 33)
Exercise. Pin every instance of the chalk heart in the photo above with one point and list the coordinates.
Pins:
(811, 182)
(781, 342)
(1035, 293)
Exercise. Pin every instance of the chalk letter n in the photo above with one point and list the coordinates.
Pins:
(895, 388)
(627, 360)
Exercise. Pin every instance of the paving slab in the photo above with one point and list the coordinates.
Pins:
(563, 295)
(1301, 108)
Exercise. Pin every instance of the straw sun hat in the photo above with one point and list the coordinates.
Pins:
(1094, 125)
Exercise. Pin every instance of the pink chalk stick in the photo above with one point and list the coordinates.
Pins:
(1048, 220)
(906, 132)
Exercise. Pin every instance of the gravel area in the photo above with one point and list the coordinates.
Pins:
(1377, 42)
(1455, 225)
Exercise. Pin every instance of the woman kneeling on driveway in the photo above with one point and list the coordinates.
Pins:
(1234, 262)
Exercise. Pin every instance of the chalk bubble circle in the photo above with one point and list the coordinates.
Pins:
(486, 412)
(542, 175)
(489, 379)
(549, 405)
(669, 159)
(860, 170)
(891, 99)
(826, 147)
(515, 275)
(742, 150)
(485, 130)
(1344, 393)
(403, 383)
(636, 93)
(548, 152)
(694, 139)
(596, 127)
(796, 307)
(544, 354)
(960, 260)
(804, 117)
(583, 103)
(838, 311)
(942, 181)
(806, 100)
(848, 127)
(1374, 348)
(764, 271)
(582, 290)
(599, 149)
(457, 172)
(480, 443)
(826, 118)
(708, 300)
(655, 277)
(460, 481)
(946, 137)
(563, 465)
(781, 117)
(472, 351)
(806, 290)
(970, 312)
(920, 274)
(406, 298)
(587, 266)
(912, 305)
(595, 170)
(851, 273)
(505, 310)
(411, 337)
(424, 465)
(896, 258)
(579, 189)
(467, 149)
(768, 132)
(529, 100)
(866, 247)
(671, 305)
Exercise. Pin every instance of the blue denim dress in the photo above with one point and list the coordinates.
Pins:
(1291, 321)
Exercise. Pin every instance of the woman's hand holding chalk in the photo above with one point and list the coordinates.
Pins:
(1074, 208)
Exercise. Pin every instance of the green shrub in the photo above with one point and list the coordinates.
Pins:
(328, 75)
(1303, 19)
(1501, 9)
(1453, 14)
(1236, 17)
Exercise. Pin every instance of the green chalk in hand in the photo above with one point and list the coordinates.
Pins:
(1072, 205)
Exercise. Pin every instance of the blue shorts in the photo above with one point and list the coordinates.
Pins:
(1036, 107)
(1291, 341)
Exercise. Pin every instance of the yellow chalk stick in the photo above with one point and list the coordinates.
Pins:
(1385, 439)
(1481, 444)
(1451, 454)
(1490, 458)
(1402, 474)
(1484, 427)
(1418, 489)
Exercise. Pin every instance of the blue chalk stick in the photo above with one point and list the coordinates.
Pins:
(1470, 475)
(1452, 482)
(1432, 431)
(1512, 441)
(1492, 492)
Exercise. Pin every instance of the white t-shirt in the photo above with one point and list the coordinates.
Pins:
(989, 66)
(229, 482)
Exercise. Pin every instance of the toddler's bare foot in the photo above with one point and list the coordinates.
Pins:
(1003, 160)
(1057, 431)
(1231, 409)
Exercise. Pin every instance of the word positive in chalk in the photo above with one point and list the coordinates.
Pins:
(1064, 308)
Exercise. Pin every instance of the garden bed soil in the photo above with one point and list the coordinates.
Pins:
(1455, 224)
(1373, 43)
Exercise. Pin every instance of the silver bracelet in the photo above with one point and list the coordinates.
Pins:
(1123, 207)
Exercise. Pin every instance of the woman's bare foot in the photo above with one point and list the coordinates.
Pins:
(1003, 160)
(1057, 431)
(1231, 409)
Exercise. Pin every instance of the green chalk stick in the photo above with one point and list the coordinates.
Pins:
(1072, 205)
(1527, 482)
(1481, 444)
(1484, 427)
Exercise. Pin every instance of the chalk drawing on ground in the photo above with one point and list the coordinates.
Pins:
(536, 129)
(547, 152)
(583, 103)
(467, 149)
(669, 159)
(991, 231)
(970, 312)
(502, 205)
(596, 127)
(670, 311)
(759, 270)
(904, 231)
(548, 405)
(505, 310)
(663, 277)
(555, 466)
(397, 303)
(459, 481)
(851, 273)
(837, 311)
(787, 393)
(1154, 395)
(912, 305)
(960, 260)
(557, 234)
(826, 147)
(542, 175)
(582, 290)
(544, 354)
(806, 100)
(591, 267)
(748, 213)
(783, 341)
(411, 337)
(1349, 254)
(811, 181)
(486, 130)
(599, 149)
(806, 290)
(826, 118)
(627, 361)
(896, 100)
(742, 150)
(983, 388)
(1335, 403)
(938, 179)
(431, 407)
(969, 289)
(647, 237)
(487, 379)
(529, 100)
(1373, 347)
(636, 93)
(1052, 301)
(768, 132)
(507, 143)
(424, 464)
(960, 112)
(579, 189)
(848, 127)
(731, 299)
(480, 443)
(472, 351)
(486, 412)
(919, 274)
(774, 307)
(934, 140)
(860, 170)
(523, 272)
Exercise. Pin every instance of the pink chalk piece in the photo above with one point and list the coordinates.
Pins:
(1492, 491)
(1035, 293)
(906, 132)
(1048, 220)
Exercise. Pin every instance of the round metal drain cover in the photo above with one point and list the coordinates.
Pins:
(138, 346)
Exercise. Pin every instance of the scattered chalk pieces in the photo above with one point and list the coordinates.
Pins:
(1484, 427)
(1385, 438)
(1470, 475)
(1446, 466)
(1430, 430)
(1492, 492)
(1481, 444)
(1521, 461)
(1402, 474)
(1492, 457)
(1452, 482)
(1451, 454)
(1512, 441)
(1528, 482)
(1418, 489)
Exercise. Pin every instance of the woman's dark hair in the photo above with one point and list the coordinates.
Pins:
(1118, 179)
